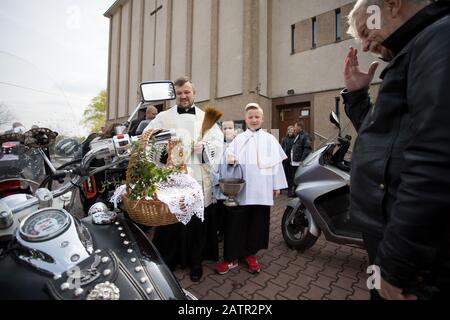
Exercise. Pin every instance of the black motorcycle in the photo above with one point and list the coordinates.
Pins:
(48, 253)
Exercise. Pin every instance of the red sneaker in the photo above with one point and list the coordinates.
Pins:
(226, 266)
(253, 265)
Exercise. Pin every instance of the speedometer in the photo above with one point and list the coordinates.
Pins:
(45, 224)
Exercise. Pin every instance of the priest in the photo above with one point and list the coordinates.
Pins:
(179, 244)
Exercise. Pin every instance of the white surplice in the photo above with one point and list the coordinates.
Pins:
(260, 156)
(188, 128)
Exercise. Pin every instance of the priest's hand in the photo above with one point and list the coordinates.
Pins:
(198, 148)
(276, 193)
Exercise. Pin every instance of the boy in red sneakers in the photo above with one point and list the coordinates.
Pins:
(260, 156)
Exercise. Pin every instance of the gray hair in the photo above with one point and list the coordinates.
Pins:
(364, 4)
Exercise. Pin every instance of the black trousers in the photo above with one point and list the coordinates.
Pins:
(221, 211)
(289, 172)
(212, 224)
(246, 231)
(184, 245)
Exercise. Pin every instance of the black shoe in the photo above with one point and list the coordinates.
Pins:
(196, 273)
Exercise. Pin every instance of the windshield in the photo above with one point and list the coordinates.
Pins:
(30, 99)
(331, 136)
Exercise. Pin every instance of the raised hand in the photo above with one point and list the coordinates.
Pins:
(354, 78)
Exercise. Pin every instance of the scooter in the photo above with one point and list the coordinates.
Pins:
(322, 198)
(48, 253)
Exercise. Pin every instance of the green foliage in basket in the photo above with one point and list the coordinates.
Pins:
(145, 175)
(114, 182)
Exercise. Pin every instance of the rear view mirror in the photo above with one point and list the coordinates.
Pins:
(334, 119)
(157, 91)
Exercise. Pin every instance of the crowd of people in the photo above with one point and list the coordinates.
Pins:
(399, 159)
(255, 156)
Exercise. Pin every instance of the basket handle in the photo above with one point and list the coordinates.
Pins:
(146, 136)
(143, 141)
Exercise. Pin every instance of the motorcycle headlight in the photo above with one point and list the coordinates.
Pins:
(6, 216)
(98, 207)
(101, 214)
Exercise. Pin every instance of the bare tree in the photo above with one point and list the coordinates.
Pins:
(6, 116)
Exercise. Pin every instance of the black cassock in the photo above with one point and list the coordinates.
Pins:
(246, 231)
(187, 245)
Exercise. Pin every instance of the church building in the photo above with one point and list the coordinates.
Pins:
(286, 55)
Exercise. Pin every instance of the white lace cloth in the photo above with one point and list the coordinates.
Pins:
(182, 194)
(117, 196)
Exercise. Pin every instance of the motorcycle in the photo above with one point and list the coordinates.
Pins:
(101, 186)
(322, 198)
(46, 252)
(21, 168)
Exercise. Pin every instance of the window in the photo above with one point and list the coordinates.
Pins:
(314, 32)
(338, 24)
(293, 39)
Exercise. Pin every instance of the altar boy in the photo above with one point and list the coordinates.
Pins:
(260, 156)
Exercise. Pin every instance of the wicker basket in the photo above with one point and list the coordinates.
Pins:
(146, 212)
(149, 212)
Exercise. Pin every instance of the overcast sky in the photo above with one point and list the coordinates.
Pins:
(53, 59)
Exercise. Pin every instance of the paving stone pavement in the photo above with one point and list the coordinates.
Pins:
(327, 271)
